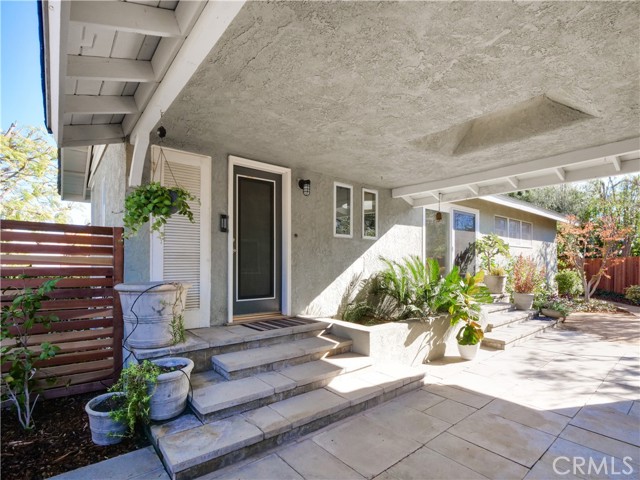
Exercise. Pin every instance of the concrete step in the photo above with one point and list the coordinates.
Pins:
(489, 308)
(516, 334)
(276, 357)
(507, 317)
(190, 448)
(202, 343)
(216, 398)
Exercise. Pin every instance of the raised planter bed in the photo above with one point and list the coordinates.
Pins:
(409, 342)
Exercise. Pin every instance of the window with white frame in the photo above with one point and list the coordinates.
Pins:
(342, 210)
(369, 214)
(502, 227)
(526, 233)
(516, 232)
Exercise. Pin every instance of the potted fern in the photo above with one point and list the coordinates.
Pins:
(156, 202)
(489, 248)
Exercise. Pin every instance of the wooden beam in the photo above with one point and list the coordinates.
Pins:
(616, 163)
(561, 173)
(211, 25)
(55, 14)
(111, 69)
(473, 189)
(126, 17)
(541, 164)
(82, 135)
(588, 173)
(100, 104)
(514, 182)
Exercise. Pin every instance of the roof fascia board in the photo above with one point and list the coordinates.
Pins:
(525, 207)
(577, 156)
(57, 29)
(210, 26)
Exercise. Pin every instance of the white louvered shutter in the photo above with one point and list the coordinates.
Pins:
(183, 255)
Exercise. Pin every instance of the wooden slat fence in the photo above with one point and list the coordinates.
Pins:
(89, 262)
(623, 273)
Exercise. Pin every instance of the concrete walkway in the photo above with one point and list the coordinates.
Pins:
(563, 405)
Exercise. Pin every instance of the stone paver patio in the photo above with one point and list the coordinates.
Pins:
(564, 405)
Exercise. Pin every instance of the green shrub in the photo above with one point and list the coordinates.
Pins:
(569, 283)
(632, 293)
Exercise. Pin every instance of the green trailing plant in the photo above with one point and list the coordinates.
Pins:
(137, 382)
(569, 283)
(470, 334)
(632, 294)
(489, 248)
(527, 277)
(177, 320)
(154, 201)
(18, 318)
(554, 302)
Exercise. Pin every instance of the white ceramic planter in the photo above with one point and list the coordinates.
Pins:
(523, 301)
(469, 352)
(104, 430)
(147, 311)
(495, 283)
(169, 398)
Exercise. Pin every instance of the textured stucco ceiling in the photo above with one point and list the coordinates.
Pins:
(357, 89)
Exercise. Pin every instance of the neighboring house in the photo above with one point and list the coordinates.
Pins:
(527, 229)
(385, 108)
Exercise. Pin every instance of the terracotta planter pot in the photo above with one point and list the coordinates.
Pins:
(147, 312)
(495, 283)
(523, 301)
(169, 398)
(469, 352)
(104, 429)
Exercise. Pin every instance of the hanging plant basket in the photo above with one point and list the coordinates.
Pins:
(154, 202)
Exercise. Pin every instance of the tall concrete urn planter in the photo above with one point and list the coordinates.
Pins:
(148, 310)
(104, 429)
(169, 397)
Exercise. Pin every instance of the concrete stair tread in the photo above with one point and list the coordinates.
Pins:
(233, 334)
(186, 444)
(221, 394)
(514, 333)
(496, 307)
(506, 317)
(242, 360)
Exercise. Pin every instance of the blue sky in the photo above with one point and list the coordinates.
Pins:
(20, 75)
(20, 78)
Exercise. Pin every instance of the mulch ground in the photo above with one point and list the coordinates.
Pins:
(61, 441)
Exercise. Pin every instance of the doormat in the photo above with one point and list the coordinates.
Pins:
(275, 323)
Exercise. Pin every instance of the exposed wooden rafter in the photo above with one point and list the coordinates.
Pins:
(82, 135)
(94, 104)
(126, 17)
(112, 69)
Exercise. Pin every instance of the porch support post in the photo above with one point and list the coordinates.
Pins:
(211, 25)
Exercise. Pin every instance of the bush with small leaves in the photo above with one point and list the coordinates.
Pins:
(18, 318)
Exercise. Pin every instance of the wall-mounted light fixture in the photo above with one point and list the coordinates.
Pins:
(224, 223)
(305, 185)
(162, 132)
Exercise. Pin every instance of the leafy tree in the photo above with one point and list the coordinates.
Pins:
(619, 198)
(28, 177)
(579, 241)
(567, 199)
